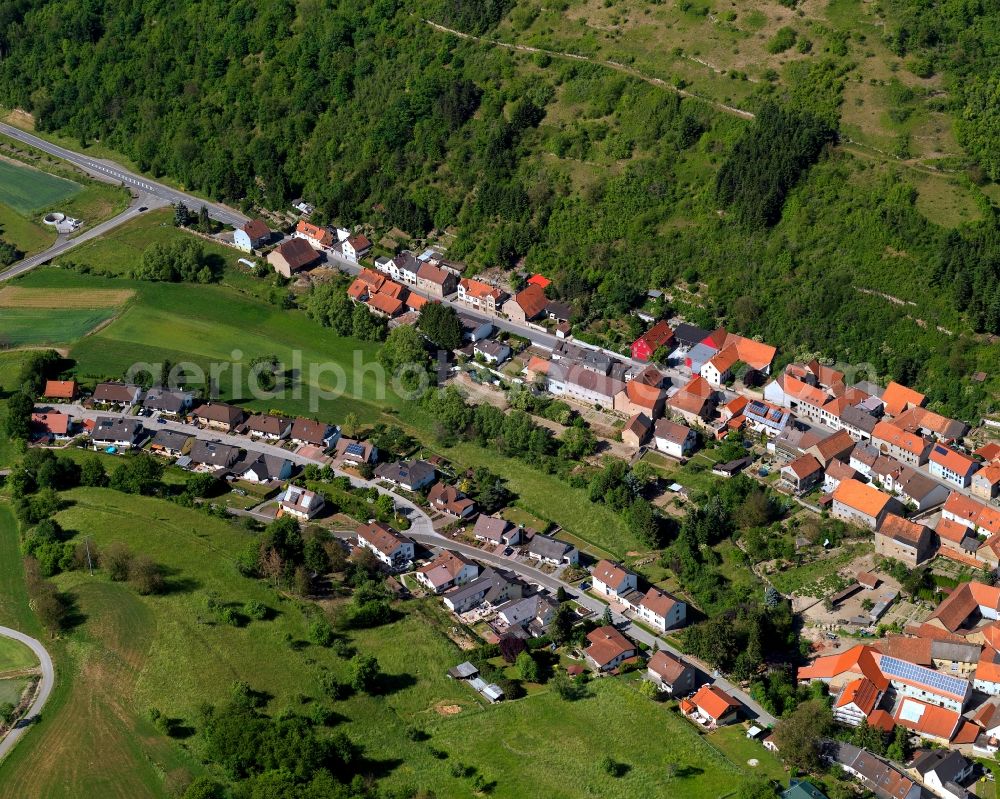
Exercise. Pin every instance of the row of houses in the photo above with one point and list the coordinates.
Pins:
(654, 607)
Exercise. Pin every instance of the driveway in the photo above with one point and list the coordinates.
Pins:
(45, 686)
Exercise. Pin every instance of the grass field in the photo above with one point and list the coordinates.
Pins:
(208, 324)
(29, 190)
(27, 235)
(124, 659)
(10, 367)
(11, 689)
(15, 655)
(20, 327)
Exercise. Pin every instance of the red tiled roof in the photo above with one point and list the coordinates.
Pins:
(804, 465)
(858, 660)
(951, 459)
(611, 574)
(898, 398)
(55, 423)
(478, 289)
(658, 602)
(60, 389)
(905, 440)
(714, 702)
(989, 452)
(931, 720)
(861, 497)
(606, 643)
(861, 692)
(967, 508)
(387, 305)
(540, 281)
(315, 232)
(658, 335)
(531, 300)
(903, 530)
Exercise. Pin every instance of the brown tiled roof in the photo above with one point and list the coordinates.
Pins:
(833, 445)
(297, 253)
(382, 537)
(805, 465)
(902, 647)
(671, 431)
(668, 667)
(531, 300)
(256, 230)
(611, 574)
(606, 643)
(272, 425)
(658, 602)
(904, 531)
(309, 431)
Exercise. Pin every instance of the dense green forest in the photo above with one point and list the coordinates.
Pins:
(609, 184)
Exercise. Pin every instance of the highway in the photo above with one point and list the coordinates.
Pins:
(111, 172)
(45, 686)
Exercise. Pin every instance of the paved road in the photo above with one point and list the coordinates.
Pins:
(64, 243)
(422, 531)
(114, 173)
(45, 687)
(421, 521)
(623, 623)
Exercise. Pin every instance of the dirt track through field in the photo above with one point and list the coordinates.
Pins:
(18, 297)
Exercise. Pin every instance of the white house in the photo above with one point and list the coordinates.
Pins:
(674, 439)
(492, 351)
(391, 548)
(355, 247)
(252, 235)
(300, 503)
(951, 465)
(446, 571)
(611, 580)
(661, 610)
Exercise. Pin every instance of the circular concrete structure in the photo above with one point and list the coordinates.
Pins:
(53, 219)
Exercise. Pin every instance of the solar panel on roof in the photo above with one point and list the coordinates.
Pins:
(354, 449)
(893, 667)
(940, 450)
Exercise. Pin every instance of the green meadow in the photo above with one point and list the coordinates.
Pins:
(133, 653)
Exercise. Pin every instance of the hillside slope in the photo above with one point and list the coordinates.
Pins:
(582, 157)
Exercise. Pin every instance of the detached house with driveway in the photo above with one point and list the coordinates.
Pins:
(496, 531)
(612, 580)
(251, 235)
(313, 433)
(446, 571)
(608, 649)
(411, 475)
(662, 611)
(391, 548)
(168, 402)
(118, 395)
(269, 428)
(219, 416)
(120, 433)
(552, 550)
(670, 674)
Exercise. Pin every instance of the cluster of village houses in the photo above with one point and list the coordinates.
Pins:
(189, 450)
(876, 458)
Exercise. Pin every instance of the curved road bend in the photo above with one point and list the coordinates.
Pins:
(114, 173)
(41, 697)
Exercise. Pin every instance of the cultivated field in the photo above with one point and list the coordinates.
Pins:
(20, 297)
(29, 190)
